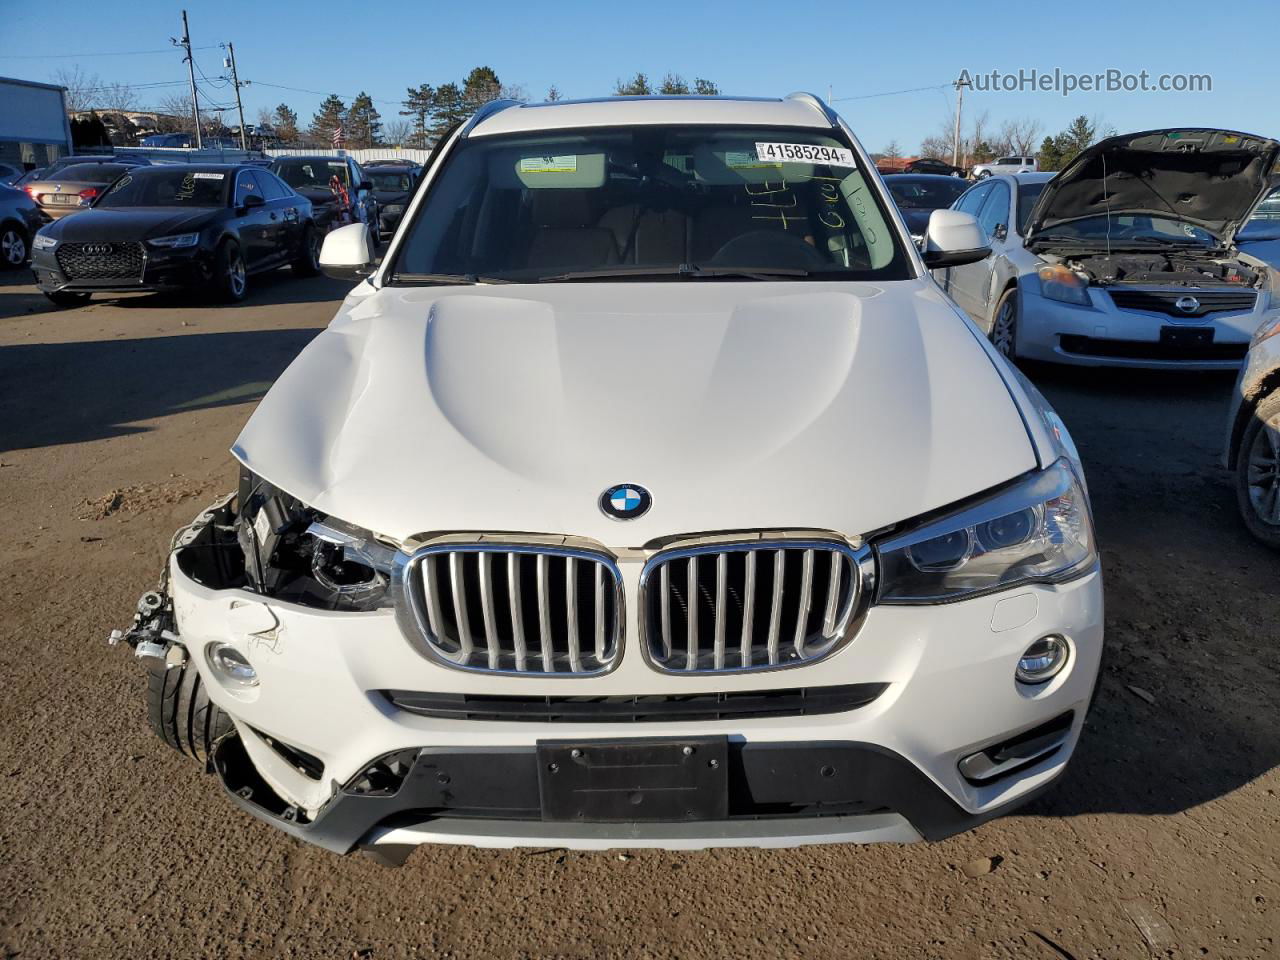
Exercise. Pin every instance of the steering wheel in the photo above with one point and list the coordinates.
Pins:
(769, 248)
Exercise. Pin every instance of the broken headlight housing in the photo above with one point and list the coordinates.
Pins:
(1037, 529)
(296, 553)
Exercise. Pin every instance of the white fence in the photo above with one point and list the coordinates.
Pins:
(361, 156)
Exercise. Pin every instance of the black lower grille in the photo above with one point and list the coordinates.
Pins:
(101, 261)
(1152, 350)
(1195, 303)
(744, 705)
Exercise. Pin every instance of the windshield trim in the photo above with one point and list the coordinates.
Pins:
(447, 147)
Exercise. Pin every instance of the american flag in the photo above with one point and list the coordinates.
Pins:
(339, 138)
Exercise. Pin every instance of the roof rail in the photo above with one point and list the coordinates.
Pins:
(486, 110)
(817, 104)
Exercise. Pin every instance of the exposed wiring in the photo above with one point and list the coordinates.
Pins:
(77, 56)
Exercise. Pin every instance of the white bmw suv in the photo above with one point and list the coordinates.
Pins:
(648, 493)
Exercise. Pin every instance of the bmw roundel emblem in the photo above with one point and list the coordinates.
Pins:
(625, 501)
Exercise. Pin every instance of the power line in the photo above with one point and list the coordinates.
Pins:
(78, 56)
(894, 93)
(318, 93)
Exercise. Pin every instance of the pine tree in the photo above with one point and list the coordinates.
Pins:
(363, 124)
(449, 107)
(705, 88)
(419, 103)
(554, 94)
(327, 119)
(637, 86)
(286, 124)
(673, 85)
(480, 87)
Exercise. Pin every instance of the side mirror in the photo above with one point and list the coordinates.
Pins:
(953, 240)
(345, 254)
(253, 201)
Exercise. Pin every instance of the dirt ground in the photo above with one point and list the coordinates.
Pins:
(115, 419)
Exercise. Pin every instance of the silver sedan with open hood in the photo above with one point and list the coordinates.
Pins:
(1129, 256)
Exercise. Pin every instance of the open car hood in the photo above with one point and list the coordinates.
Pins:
(1208, 178)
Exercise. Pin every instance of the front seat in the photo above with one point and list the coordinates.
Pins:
(565, 234)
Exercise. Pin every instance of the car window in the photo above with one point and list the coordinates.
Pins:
(971, 202)
(272, 189)
(246, 186)
(532, 207)
(167, 187)
(1028, 194)
(90, 172)
(313, 172)
(390, 182)
(995, 212)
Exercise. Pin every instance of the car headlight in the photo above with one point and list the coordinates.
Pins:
(176, 241)
(1066, 286)
(43, 242)
(1036, 529)
(296, 553)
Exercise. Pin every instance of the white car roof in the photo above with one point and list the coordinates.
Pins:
(796, 110)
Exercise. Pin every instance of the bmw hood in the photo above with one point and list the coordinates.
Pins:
(1207, 178)
(737, 406)
(133, 223)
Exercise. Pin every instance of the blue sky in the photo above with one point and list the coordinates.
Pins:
(852, 49)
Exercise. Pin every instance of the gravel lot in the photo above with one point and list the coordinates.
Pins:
(115, 419)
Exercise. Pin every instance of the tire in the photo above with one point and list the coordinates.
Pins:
(308, 264)
(15, 246)
(180, 711)
(231, 275)
(1004, 325)
(67, 298)
(1258, 472)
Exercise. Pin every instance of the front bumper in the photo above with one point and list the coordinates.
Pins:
(161, 270)
(1102, 335)
(949, 692)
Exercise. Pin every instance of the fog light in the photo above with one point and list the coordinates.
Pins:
(1042, 660)
(231, 663)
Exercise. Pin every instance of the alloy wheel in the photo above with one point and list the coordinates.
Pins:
(1002, 331)
(236, 275)
(1264, 472)
(13, 248)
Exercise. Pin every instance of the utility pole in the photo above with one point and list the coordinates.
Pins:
(185, 43)
(960, 84)
(235, 82)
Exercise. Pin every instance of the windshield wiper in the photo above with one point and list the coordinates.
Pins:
(684, 271)
(445, 279)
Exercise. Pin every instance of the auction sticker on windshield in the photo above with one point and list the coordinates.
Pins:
(806, 153)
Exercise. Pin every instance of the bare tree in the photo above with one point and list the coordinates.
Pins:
(396, 133)
(514, 91)
(892, 151)
(81, 88)
(118, 97)
(266, 117)
(1022, 135)
(554, 94)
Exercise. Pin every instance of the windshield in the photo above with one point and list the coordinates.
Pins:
(160, 187)
(651, 202)
(1139, 229)
(388, 182)
(926, 194)
(89, 172)
(314, 173)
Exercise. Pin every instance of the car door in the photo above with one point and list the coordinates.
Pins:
(276, 229)
(253, 221)
(994, 219)
(958, 281)
(282, 205)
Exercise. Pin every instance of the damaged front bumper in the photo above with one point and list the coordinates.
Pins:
(350, 738)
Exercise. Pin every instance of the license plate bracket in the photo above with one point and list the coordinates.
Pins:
(1186, 338)
(657, 780)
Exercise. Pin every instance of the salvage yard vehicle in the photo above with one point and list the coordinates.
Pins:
(1129, 256)
(919, 194)
(72, 189)
(648, 493)
(392, 188)
(1252, 450)
(1004, 165)
(337, 187)
(201, 226)
(19, 220)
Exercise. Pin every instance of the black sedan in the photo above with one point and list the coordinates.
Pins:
(392, 188)
(207, 226)
(919, 194)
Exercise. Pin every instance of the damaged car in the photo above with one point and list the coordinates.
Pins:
(648, 493)
(1128, 257)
